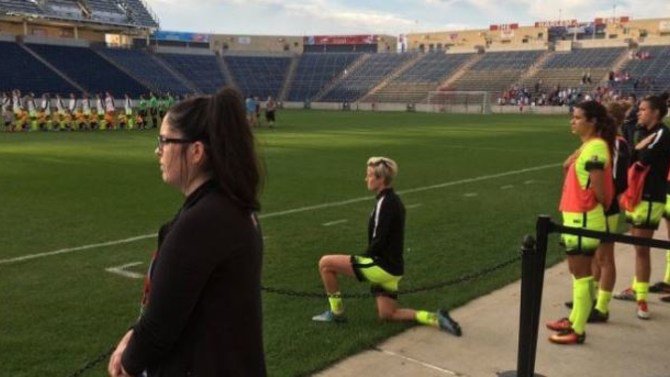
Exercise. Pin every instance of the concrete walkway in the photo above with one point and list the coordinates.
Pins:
(625, 346)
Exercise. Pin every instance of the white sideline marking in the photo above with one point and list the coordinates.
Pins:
(121, 270)
(85, 247)
(331, 223)
(528, 182)
(506, 187)
(413, 206)
(470, 194)
(431, 366)
(287, 212)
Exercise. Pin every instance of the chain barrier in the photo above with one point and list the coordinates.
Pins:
(316, 295)
(91, 364)
(430, 287)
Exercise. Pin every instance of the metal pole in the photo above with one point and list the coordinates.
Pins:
(524, 367)
(543, 227)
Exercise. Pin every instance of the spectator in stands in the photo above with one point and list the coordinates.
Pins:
(382, 265)
(270, 109)
(646, 205)
(587, 192)
(201, 312)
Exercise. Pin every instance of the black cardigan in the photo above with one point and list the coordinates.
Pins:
(203, 311)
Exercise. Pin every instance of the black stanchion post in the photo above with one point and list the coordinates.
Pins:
(542, 228)
(532, 279)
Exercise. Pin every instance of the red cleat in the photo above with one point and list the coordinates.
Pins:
(568, 337)
(562, 324)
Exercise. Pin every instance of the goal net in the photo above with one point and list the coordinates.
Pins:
(473, 102)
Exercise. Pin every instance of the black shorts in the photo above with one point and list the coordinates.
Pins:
(270, 116)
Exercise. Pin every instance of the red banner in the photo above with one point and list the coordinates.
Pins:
(341, 39)
(611, 20)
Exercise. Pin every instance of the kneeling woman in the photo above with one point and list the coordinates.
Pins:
(587, 192)
(382, 265)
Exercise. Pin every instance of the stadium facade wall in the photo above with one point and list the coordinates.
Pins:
(252, 43)
(183, 51)
(56, 41)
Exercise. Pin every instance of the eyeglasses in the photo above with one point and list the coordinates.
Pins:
(162, 140)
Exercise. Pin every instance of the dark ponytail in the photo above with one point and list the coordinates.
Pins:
(606, 127)
(219, 122)
(660, 103)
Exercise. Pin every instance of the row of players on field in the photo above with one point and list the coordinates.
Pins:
(27, 113)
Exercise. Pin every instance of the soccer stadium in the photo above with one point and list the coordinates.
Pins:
(477, 120)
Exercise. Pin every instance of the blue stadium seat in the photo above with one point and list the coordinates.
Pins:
(316, 70)
(202, 70)
(140, 64)
(89, 70)
(260, 76)
(20, 70)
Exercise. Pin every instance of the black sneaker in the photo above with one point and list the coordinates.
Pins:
(660, 287)
(597, 316)
(447, 324)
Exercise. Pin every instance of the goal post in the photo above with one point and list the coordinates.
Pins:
(454, 101)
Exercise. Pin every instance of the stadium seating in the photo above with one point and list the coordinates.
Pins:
(260, 76)
(89, 70)
(20, 70)
(648, 75)
(113, 11)
(202, 70)
(496, 71)
(362, 78)
(413, 85)
(316, 70)
(140, 64)
(567, 68)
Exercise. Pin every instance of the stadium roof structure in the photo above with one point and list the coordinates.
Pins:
(117, 13)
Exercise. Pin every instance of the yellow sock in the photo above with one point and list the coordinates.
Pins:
(667, 267)
(336, 304)
(641, 291)
(426, 318)
(603, 302)
(582, 302)
(573, 312)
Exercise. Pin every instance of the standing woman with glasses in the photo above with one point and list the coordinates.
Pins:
(201, 311)
(382, 265)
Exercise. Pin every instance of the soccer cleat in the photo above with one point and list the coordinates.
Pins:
(642, 310)
(568, 336)
(627, 294)
(597, 316)
(447, 324)
(660, 287)
(329, 316)
(562, 324)
(665, 298)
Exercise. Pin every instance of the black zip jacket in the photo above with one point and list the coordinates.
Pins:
(386, 233)
(202, 315)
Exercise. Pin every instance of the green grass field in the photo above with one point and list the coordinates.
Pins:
(468, 207)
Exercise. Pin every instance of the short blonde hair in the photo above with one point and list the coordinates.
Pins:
(383, 167)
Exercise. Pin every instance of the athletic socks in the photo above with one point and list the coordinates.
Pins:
(582, 302)
(603, 302)
(594, 288)
(641, 291)
(336, 304)
(426, 318)
(666, 279)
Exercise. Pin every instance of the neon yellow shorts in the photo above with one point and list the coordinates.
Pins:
(616, 223)
(383, 283)
(592, 220)
(647, 215)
